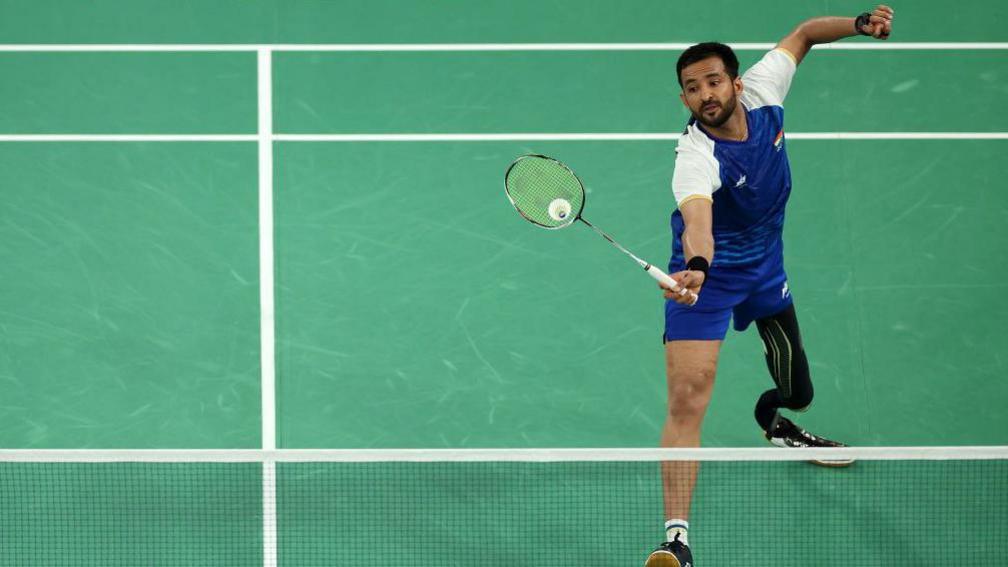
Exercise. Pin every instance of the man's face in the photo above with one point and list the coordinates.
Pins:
(709, 92)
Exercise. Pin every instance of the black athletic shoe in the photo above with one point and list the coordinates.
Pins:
(670, 554)
(784, 433)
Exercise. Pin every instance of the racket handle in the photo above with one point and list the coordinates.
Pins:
(667, 281)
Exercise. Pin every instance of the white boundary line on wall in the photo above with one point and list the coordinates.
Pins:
(394, 47)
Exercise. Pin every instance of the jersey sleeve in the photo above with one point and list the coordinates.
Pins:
(767, 82)
(696, 175)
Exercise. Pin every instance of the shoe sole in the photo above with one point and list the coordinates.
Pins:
(828, 464)
(833, 464)
(662, 559)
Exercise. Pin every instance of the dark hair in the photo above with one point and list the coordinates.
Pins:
(702, 51)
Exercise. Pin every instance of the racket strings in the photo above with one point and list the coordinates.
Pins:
(544, 191)
(547, 193)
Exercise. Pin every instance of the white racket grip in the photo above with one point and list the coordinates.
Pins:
(668, 282)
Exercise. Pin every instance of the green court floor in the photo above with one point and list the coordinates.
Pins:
(414, 309)
(137, 266)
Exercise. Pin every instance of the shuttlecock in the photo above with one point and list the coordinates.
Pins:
(559, 209)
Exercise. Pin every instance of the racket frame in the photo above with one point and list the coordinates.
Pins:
(507, 191)
(657, 273)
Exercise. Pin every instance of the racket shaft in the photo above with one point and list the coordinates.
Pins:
(652, 271)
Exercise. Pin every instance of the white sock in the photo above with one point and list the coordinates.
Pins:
(677, 527)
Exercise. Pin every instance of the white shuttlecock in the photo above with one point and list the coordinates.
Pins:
(559, 209)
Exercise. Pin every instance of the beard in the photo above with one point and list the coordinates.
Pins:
(719, 118)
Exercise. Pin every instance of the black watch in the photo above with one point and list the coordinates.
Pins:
(861, 21)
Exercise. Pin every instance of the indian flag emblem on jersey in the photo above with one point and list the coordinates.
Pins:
(779, 140)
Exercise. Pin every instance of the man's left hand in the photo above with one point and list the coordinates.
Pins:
(879, 23)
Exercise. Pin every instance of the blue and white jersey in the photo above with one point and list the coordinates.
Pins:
(748, 182)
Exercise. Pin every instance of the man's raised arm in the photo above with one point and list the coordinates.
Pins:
(877, 24)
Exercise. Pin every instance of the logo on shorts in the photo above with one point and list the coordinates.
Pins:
(784, 292)
(778, 142)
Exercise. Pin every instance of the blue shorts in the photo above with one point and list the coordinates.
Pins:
(745, 293)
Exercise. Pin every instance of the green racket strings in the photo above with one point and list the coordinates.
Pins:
(544, 191)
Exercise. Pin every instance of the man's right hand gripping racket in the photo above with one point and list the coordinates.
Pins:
(547, 193)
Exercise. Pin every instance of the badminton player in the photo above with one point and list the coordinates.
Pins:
(731, 183)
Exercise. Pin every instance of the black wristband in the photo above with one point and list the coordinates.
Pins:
(861, 21)
(700, 264)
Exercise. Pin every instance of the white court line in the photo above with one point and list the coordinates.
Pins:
(269, 522)
(897, 135)
(393, 47)
(267, 330)
(493, 137)
(265, 140)
(615, 136)
(129, 137)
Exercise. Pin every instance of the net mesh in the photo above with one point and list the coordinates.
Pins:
(130, 514)
(449, 513)
(544, 191)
